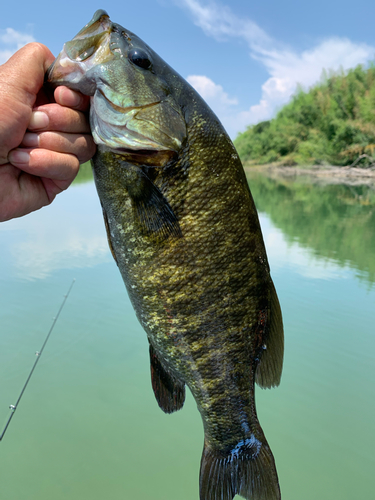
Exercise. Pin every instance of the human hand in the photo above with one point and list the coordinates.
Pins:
(42, 142)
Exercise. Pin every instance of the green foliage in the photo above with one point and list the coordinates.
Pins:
(333, 124)
(84, 173)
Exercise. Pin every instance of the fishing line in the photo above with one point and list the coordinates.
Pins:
(38, 354)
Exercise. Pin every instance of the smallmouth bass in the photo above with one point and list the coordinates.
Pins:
(184, 232)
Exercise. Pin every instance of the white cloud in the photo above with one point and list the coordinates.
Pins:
(213, 94)
(10, 41)
(287, 68)
(5, 55)
(10, 36)
(210, 90)
(218, 21)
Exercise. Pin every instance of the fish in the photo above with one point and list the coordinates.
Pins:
(184, 231)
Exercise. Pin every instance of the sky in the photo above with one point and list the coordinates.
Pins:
(245, 58)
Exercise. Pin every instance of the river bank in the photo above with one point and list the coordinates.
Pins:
(318, 174)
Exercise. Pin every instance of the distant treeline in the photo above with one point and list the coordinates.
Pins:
(333, 123)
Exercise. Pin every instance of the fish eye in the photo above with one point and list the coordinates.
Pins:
(140, 58)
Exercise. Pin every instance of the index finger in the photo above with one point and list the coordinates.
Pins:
(54, 117)
(71, 99)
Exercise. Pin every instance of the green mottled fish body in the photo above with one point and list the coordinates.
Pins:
(184, 231)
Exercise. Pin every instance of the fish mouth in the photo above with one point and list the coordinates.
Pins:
(130, 130)
(100, 22)
(131, 143)
(148, 129)
(146, 157)
(90, 39)
(89, 47)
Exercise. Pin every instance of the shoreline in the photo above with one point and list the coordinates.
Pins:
(317, 174)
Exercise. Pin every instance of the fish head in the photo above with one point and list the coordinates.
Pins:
(133, 110)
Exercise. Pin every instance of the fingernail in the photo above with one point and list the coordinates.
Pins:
(38, 120)
(30, 140)
(18, 156)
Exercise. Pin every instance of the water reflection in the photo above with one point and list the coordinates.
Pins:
(90, 404)
(67, 234)
(284, 254)
(333, 222)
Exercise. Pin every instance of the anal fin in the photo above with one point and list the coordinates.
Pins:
(268, 372)
(169, 392)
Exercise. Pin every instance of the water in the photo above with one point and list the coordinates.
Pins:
(88, 425)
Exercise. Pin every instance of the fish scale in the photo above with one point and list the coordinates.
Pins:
(183, 229)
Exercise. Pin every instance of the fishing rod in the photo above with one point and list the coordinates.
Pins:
(38, 354)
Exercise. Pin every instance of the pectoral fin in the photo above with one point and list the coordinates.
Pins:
(268, 372)
(169, 392)
(153, 212)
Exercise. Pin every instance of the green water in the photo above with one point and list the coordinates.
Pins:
(88, 426)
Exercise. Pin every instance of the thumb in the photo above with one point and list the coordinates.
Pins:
(22, 76)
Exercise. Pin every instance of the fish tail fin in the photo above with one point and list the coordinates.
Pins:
(248, 470)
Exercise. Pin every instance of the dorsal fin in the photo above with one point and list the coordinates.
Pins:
(268, 372)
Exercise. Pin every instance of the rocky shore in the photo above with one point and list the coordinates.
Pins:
(318, 174)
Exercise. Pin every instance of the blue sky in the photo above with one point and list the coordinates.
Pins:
(245, 58)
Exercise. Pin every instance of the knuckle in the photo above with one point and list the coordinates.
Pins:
(88, 151)
(37, 49)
